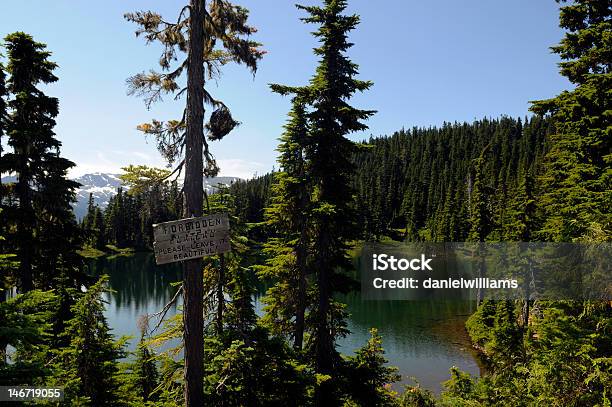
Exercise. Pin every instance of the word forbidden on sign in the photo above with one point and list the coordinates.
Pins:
(191, 238)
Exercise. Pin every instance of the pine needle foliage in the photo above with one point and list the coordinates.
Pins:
(88, 366)
(578, 167)
(25, 326)
(227, 33)
(287, 218)
(38, 219)
(328, 151)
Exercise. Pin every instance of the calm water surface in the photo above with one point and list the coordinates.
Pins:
(423, 339)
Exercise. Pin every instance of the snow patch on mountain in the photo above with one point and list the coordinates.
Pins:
(103, 186)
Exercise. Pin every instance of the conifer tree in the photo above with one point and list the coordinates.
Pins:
(210, 37)
(88, 366)
(88, 219)
(480, 210)
(329, 152)
(25, 326)
(143, 375)
(46, 232)
(578, 176)
(480, 215)
(4, 270)
(8, 266)
(3, 113)
(287, 217)
(30, 134)
(98, 240)
(226, 39)
(506, 337)
(59, 233)
(230, 274)
(522, 223)
(368, 375)
(521, 227)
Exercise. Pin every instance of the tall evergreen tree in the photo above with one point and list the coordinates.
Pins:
(578, 175)
(3, 113)
(329, 153)
(25, 326)
(522, 210)
(99, 239)
(479, 201)
(87, 221)
(30, 134)
(8, 266)
(88, 366)
(287, 217)
(480, 214)
(225, 39)
(143, 375)
(210, 37)
(46, 231)
(58, 231)
(3, 191)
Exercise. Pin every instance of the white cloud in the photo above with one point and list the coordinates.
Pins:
(112, 162)
(236, 167)
(89, 168)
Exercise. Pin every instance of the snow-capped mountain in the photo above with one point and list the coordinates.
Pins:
(103, 186)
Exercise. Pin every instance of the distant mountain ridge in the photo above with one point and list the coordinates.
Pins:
(103, 186)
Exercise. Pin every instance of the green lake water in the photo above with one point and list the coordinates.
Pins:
(423, 339)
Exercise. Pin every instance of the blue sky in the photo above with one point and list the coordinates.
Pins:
(431, 61)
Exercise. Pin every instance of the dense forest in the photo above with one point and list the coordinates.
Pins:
(546, 177)
(127, 221)
(411, 185)
(416, 184)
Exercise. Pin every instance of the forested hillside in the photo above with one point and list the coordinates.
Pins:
(417, 184)
(128, 218)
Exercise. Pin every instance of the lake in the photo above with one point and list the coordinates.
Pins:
(422, 338)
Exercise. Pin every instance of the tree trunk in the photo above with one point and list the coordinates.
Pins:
(301, 300)
(3, 298)
(325, 350)
(24, 233)
(528, 281)
(220, 298)
(193, 291)
(480, 293)
(298, 340)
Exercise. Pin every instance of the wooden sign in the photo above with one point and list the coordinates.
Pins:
(191, 238)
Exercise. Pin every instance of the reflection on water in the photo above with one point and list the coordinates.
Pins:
(139, 287)
(423, 339)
